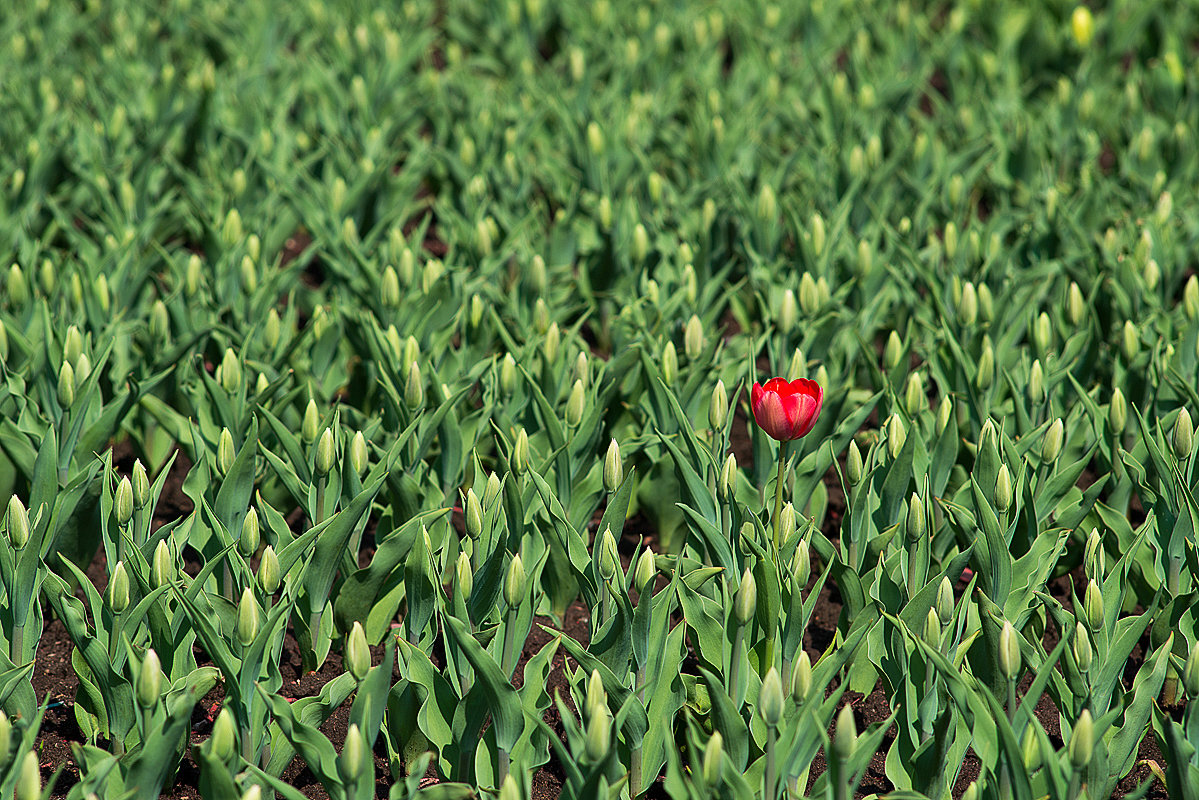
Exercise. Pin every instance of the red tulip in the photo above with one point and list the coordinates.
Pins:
(785, 410)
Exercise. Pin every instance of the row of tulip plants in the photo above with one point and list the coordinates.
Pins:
(795, 353)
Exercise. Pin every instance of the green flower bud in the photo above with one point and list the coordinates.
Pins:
(232, 231)
(1082, 648)
(718, 406)
(606, 555)
(896, 435)
(1030, 750)
(5, 739)
(491, 492)
(770, 699)
(809, 295)
(1190, 297)
(389, 289)
(149, 680)
(193, 275)
(786, 522)
(944, 410)
(845, 736)
(1009, 652)
(613, 469)
(253, 792)
(514, 582)
(83, 368)
(72, 344)
(222, 743)
(140, 486)
(358, 654)
(552, 343)
(355, 757)
(1131, 341)
(746, 600)
(798, 367)
(122, 503)
(670, 364)
(645, 572)
(66, 386)
(713, 759)
(117, 593)
(474, 515)
(359, 457)
(18, 523)
(1117, 411)
(1036, 383)
(520, 452)
(892, 351)
(914, 400)
(599, 736)
(230, 372)
(986, 302)
(1003, 489)
(414, 389)
(1082, 26)
(640, 244)
(247, 618)
(818, 234)
(801, 677)
(269, 571)
(1093, 556)
(3, 342)
(1152, 274)
(788, 314)
(478, 307)
(1051, 445)
(916, 526)
(582, 368)
(1190, 674)
(767, 204)
(510, 791)
(596, 700)
(945, 602)
(1082, 740)
(932, 629)
(972, 791)
(162, 566)
(272, 329)
(595, 139)
(1092, 606)
(247, 544)
(326, 453)
(310, 427)
(29, 779)
(508, 374)
(18, 287)
(726, 485)
(100, 287)
(801, 564)
(1183, 435)
(464, 577)
(968, 305)
(693, 338)
(986, 369)
(853, 464)
(1042, 333)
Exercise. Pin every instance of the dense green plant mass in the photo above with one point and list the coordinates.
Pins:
(422, 310)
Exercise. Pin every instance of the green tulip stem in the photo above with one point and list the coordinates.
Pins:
(1011, 701)
(64, 455)
(322, 483)
(771, 765)
(735, 667)
(778, 493)
(508, 656)
(913, 550)
(17, 644)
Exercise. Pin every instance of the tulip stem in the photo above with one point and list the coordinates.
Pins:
(778, 493)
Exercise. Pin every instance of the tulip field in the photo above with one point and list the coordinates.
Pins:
(512, 399)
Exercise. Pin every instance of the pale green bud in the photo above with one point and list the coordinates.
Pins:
(247, 544)
(510, 791)
(853, 464)
(1042, 333)
(83, 368)
(607, 558)
(1190, 673)
(932, 629)
(972, 791)
(690, 284)
(272, 329)
(1190, 297)
(47, 277)
(1092, 605)
(582, 368)
(249, 275)
(18, 523)
(640, 244)
(801, 564)
(770, 699)
(718, 406)
(100, 287)
(1082, 648)
(140, 485)
(1009, 652)
(746, 600)
(914, 399)
(801, 677)
(253, 792)
(986, 302)
(149, 680)
(1152, 274)
(818, 234)
(269, 575)
(72, 344)
(604, 213)
(1094, 556)
(896, 435)
(222, 743)
(162, 566)
(358, 654)
(1082, 740)
(18, 287)
(693, 338)
(1183, 434)
(355, 757)
(29, 779)
(1003, 489)
(1117, 412)
(66, 386)
(786, 522)
(552, 343)
(713, 759)
(945, 603)
(944, 410)
(326, 453)
(613, 469)
(968, 305)
(892, 351)
(596, 700)
(599, 735)
(1030, 750)
(865, 258)
(645, 571)
(117, 593)
(414, 388)
(845, 736)
(359, 455)
(1036, 383)
(310, 427)
(193, 275)
(916, 526)
(122, 502)
(477, 309)
(595, 139)
(1082, 26)
(1131, 342)
(247, 618)
(798, 367)
(788, 314)
(230, 371)
(473, 514)
(464, 577)
(767, 204)
(1051, 445)
(232, 231)
(670, 364)
(727, 484)
(520, 452)
(508, 374)
(576, 404)
(986, 368)
(491, 492)
(514, 582)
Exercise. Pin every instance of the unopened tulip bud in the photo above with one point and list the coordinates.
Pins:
(596, 700)
(474, 515)
(670, 364)
(1183, 435)
(613, 469)
(745, 601)
(801, 678)
(1131, 341)
(788, 312)
(358, 654)
(1082, 25)
(1036, 383)
(1030, 750)
(1075, 307)
(223, 740)
(693, 338)
(359, 456)
(1082, 648)
(972, 791)
(268, 571)
(72, 344)
(645, 572)
(149, 680)
(193, 274)
(18, 523)
(818, 234)
(1117, 411)
(786, 522)
(409, 354)
(932, 629)
(247, 544)
(508, 374)
(491, 492)
(272, 329)
(29, 779)
(117, 593)
(414, 388)
(767, 204)
(916, 526)
(389, 289)
(945, 602)
(853, 464)
(463, 576)
(1003, 489)
(1042, 333)
(1093, 556)
(1092, 606)
(986, 302)
(718, 407)
(599, 736)
(801, 564)
(896, 435)
(230, 371)
(66, 386)
(514, 582)
(1190, 297)
(520, 452)
(892, 351)
(1009, 652)
(103, 296)
(326, 453)
(713, 760)
(809, 295)
(986, 369)
(310, 427)
(253, 792)
(247, 618)
(1190, 673)
(18, 287)
(913, 398)
(140, 485)
(1051, 445)
(845, 736)
(968, 305)
(640, 244)
(354, 755)
(552, 343)
(770, 699)
(944, 410)
(122, 502)
(607, 558)
(162, 566)
(582, 369)
(727, 483)
(798, 368)
(1082, 740)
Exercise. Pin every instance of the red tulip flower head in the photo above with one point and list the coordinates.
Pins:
(786, 410)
